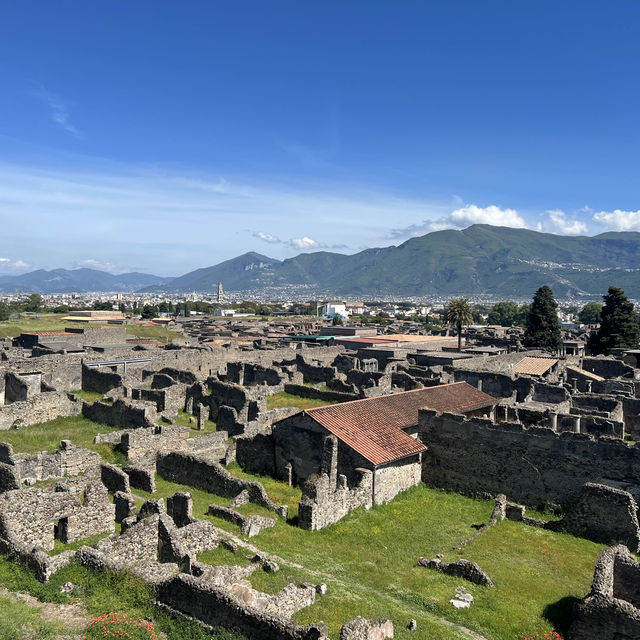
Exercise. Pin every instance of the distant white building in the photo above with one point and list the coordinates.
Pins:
(227, 313)
(330, 309)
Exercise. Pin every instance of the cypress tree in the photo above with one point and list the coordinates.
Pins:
(543, 327)
(619, 324)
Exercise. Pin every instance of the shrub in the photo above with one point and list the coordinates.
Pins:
(544, 635)
(119, 625)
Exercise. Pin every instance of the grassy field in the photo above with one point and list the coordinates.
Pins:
(55, 322)
(368, 560)
(182, 419)
(19, 621)
(47, 436)
(284, 400)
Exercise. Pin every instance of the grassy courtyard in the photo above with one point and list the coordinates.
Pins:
(55, 322)
(283, 400)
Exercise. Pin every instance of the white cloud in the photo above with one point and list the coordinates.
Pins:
(464, 217)
(59, 112)
(619, 220)
(303, 243)
(472, 214)
(565, 225)
(7, 264)
(90, 263)
(267, 237)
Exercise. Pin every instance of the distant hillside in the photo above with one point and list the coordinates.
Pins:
(76, 281)
(481, 259)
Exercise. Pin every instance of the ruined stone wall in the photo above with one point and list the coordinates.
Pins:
(323, 503)
(608, 367)
(100, 380)
(121, 414)
(610, 611)
(319, 394)
(215, 606)
(142, 442)
(497, 385)
(599, 405)
(201, 473)
(40, 408)
(532, 465)
(394, 478)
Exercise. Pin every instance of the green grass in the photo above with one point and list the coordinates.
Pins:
(284, 400)
(60, 547)
(182, 419)
(101, 592)
(47, 436)
(368, 561)
(55, 322)
(88, 396)
(20, 621)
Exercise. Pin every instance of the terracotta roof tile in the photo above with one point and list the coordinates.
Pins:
(373, 426)
(534, 366)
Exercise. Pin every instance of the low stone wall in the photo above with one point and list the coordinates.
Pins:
(202, 473)
(611, 610)
(100, 380)
(311, 392)
(608, 367)
(42, 407)
(529, 465)
(250, 525)
(215, 606)
(121, 414)
(323, 504)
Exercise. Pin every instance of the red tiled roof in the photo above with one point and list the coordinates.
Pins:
(45, 333)
(373, 426)
(534, 366)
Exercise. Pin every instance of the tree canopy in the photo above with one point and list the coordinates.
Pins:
(458, 312)
(543, 327)
(619, 326)
(590, 313)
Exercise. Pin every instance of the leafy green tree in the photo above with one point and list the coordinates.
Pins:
(148, 311)
(458, 313)
(543, 327)
(337, 321)
(619, 326)
(523, 314)
(61, 308)
(590, 313)
(33, 302)
(5, 312)
(504, 314)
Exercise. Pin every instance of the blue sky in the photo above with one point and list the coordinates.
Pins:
(163, 136)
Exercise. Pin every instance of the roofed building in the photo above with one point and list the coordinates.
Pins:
(378, 434)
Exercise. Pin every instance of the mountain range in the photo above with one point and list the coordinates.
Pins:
(481, 259)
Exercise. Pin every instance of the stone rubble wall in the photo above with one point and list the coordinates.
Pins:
(395, 478)
(220, 607)
(202, 473)
(531, 465)
(605, 613)
(100, 380)
(319, 394)
(123, 413)
(42, 407)
(362, 629)
(324, 504)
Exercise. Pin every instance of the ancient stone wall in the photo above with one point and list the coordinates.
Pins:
(124, 414)
(610, 611)
(215, 606)
(530, 465)
(608, 367)
(319, 394)
(100, 380)
(201, 473)
(40, 408)
(396, 477)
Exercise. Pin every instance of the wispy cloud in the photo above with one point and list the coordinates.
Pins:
(13, 266)
(90, 263)
(463, 217)
(303, 243)
(59, 111)
(619, 220)
(564, 225)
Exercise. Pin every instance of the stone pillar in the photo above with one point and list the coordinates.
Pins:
(330, 460)
(576, 424)
(189, 407)
(574, 383)
(589, 385)
(180, 508)
(289, 471)
(553, 418)
(201, 417)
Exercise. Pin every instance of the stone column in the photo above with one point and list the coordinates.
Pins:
(289, 471)
(576, 424)
(330, 460)
(189, 408)
(201, 417)
(589, 385)
(553, 418)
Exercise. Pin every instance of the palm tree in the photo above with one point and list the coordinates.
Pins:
(458, 313)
